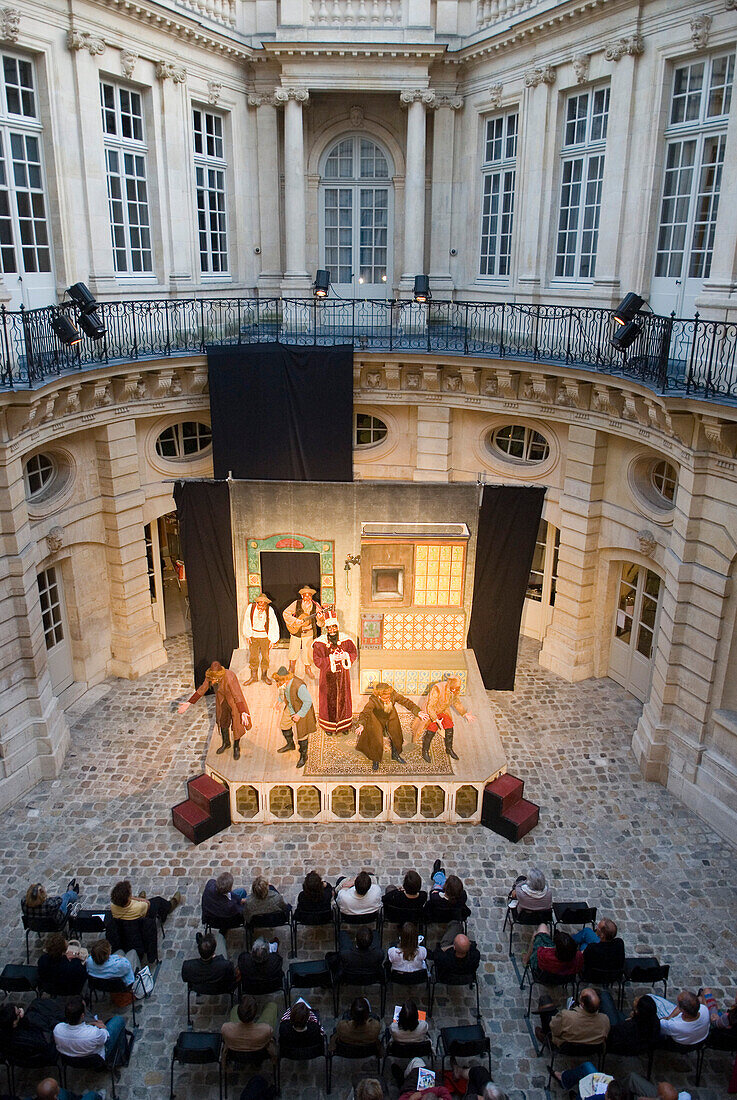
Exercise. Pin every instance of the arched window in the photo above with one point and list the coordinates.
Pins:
(518, 443)
(356, 210)
(182, 441)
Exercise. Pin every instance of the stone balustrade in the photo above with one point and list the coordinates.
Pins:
(220, 11)
(348, 13)
(490, 12)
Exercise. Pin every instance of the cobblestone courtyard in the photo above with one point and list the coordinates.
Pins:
(605, 835)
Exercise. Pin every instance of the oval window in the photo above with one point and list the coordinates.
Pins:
(185, 440)
(664, 479)
(38, 474)
(368, 430)
(518, 443)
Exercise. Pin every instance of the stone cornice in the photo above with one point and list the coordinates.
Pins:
(177, 24)
(288, 51)
(495, 42)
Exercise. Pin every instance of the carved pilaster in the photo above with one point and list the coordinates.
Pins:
(539, 387)
(452, 102)
(169, 70)
(283, 95)
(540, 74)
(261, 99)
(572, 394)
(419, 95)
(632, 45)
(719, 436)
(507, 382)
(84, 40)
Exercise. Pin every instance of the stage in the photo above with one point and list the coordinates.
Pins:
(337, 783)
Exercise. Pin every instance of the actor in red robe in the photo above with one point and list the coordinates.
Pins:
(333, 654)
(231, 708)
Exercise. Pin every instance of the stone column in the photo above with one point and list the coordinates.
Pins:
(570, 641)
(33, 730)
(442, 190)
(534, 205)
(414, 184)
(268, 189)
(295, 273)
(175, 179)
(136, 645)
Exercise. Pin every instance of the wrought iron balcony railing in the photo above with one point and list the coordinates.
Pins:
(692, 356)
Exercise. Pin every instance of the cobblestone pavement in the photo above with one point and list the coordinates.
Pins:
(605, 835)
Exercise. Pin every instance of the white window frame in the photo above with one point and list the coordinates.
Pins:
(582, 166)
(498, 188)
(203, 431)
(211, 193)
(126, 163)
(52, 609)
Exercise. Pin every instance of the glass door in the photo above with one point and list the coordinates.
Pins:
(56, 631)
(537, 610)
(635, 627)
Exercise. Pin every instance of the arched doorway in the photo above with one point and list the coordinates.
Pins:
(356, 214)
(639, 595)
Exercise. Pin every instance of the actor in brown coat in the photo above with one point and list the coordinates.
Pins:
(231, 708)
(380, 717)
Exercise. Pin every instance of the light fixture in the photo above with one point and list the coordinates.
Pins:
(422, 289)
(82, 296)
(65, 329)
(628, 308)
(383, 278)
(626, 335)
(321, 285)
(91, 325)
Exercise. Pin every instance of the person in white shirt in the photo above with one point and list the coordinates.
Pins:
(78, 1039)
(686, 1021)
(359, 896)
(261, 630)
(410, 955)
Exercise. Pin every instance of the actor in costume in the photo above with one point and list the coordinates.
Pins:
(298, 713)
(302, 619)
(333, 654)
(379, 719)
(443, 695)
(231, 708)
(261, 628)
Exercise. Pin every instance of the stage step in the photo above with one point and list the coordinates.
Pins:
(205, 812)
(503, 793)
(505, 811)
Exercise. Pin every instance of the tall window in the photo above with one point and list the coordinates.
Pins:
(24, 234)
(582, 175)
(210, 166)
(695, 141)
(127, 189)
(48, 593)
(497, 201)
(356, 200)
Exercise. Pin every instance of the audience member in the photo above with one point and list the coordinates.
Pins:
(474, 1081)
(719, 1019)
(408, 1027)
(555, 955)
(447, 899)
(210, 973)
(316, 894)
(27, 1033)
(604, 948)
(261, 964)
(263, 900)
(409, 1089)
(38, 905)
(258, 1088)
(50, 1089)
(587, 1081)
(410, 954)
(362, 957)
(409, 895)
(531, 893)
(634, 1033)
(359, 896)
(455, 955)
(245, 1031)
(581, 1023)
(222, 903)
(639, 1088)
(102, 963)
(685, 1022)
(357, 1026)
(299, 1026)
(124, 906)
(78, 1039)
(60, 974)
(368, 1089)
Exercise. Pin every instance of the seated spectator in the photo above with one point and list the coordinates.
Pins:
(555, 955)
(409, 1080)
(78, 1039)
(359, 896)
(210, 973)
(719, 1020)
(316, 895)
(24, 1034)
(604, 948)
(139, 935)
(409, 895)
(581, 1023)
(634, 1033)
(261, 964)
(636, 1087)
(685, 1022)
(50, 1089)
(531, 893)
(447, 900)
(263, 899)
(408, 1027)
(357, 1026)
(58, 973)
(248, 1031)
(124, 906)
(364, 956)
(368, 1089)
(102, 963)
(455, 955)
(410, 954)
(475, 1080)
(258, 1088)
(38, 905)
(587, 1082)
(299, 1026)
(222, 904)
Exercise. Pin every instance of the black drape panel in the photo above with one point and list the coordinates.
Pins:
(282, 413)
(203, 509)
(508, 523)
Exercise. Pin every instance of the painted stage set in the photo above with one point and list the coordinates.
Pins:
(396, 562)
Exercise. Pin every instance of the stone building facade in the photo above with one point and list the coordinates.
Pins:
(524, 152)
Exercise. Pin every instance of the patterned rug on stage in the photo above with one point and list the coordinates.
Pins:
(337, 755)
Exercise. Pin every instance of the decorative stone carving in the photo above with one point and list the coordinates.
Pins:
(373, 379)
(413, 380)
(9, 24)
(647, 542)
(495, 95)
(214, 91)
(507, 383)
(539, 74)
(84, 40)
(55, 539)
(607, 401)
(283, 95)
(419, 95)
(538, 388)
(169, 70)
(128, 62)
(357, 117)
(454, 383)
(581, 66)
(570, 393)
(632, 44)
(99, 394)
(261, 99)
(452, 102)
(730, 5)
(491, 386)
(73, 401)
(719, 436)
(700, 27)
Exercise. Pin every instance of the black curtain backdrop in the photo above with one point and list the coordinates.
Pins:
(203, 508)
(282, 413)
(508, 522)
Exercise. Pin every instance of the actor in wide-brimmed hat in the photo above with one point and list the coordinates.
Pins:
(261, 631)
(303, 618)
(379, 719)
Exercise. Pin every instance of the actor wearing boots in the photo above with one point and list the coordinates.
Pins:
(302, 619)
(298, 713)
(443, 696)
(261, 630)
(231, 708)
(379, 719)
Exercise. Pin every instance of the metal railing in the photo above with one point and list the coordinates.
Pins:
(693, 356)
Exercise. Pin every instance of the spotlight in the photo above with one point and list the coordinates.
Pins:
(91, 325)
(422, 289)
(626, 335)
(628, 308)
(82, 296)
(65, 329)
(321, 285)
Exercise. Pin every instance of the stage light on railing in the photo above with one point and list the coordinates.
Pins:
(65, 329)
(91, 325)
(321, 285)
(422, 289)
(626, 335)
(82, 296)
(628, 308)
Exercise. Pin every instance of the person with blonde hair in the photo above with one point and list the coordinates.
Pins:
(264, 899)
(38, 905)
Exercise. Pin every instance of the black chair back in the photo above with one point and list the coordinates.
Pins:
(40, 925)
(260, 987)
(308, 975)
(111, 985)
(470, 1041)
(394, 1049)
(574, 912)
(313, 919)
(402, 914)
(525, 918)
(18, 978)
(303, 1054)
(268, 920)
(357, 1050)
(85, 920)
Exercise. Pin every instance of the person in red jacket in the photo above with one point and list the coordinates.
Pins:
(231, 708)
